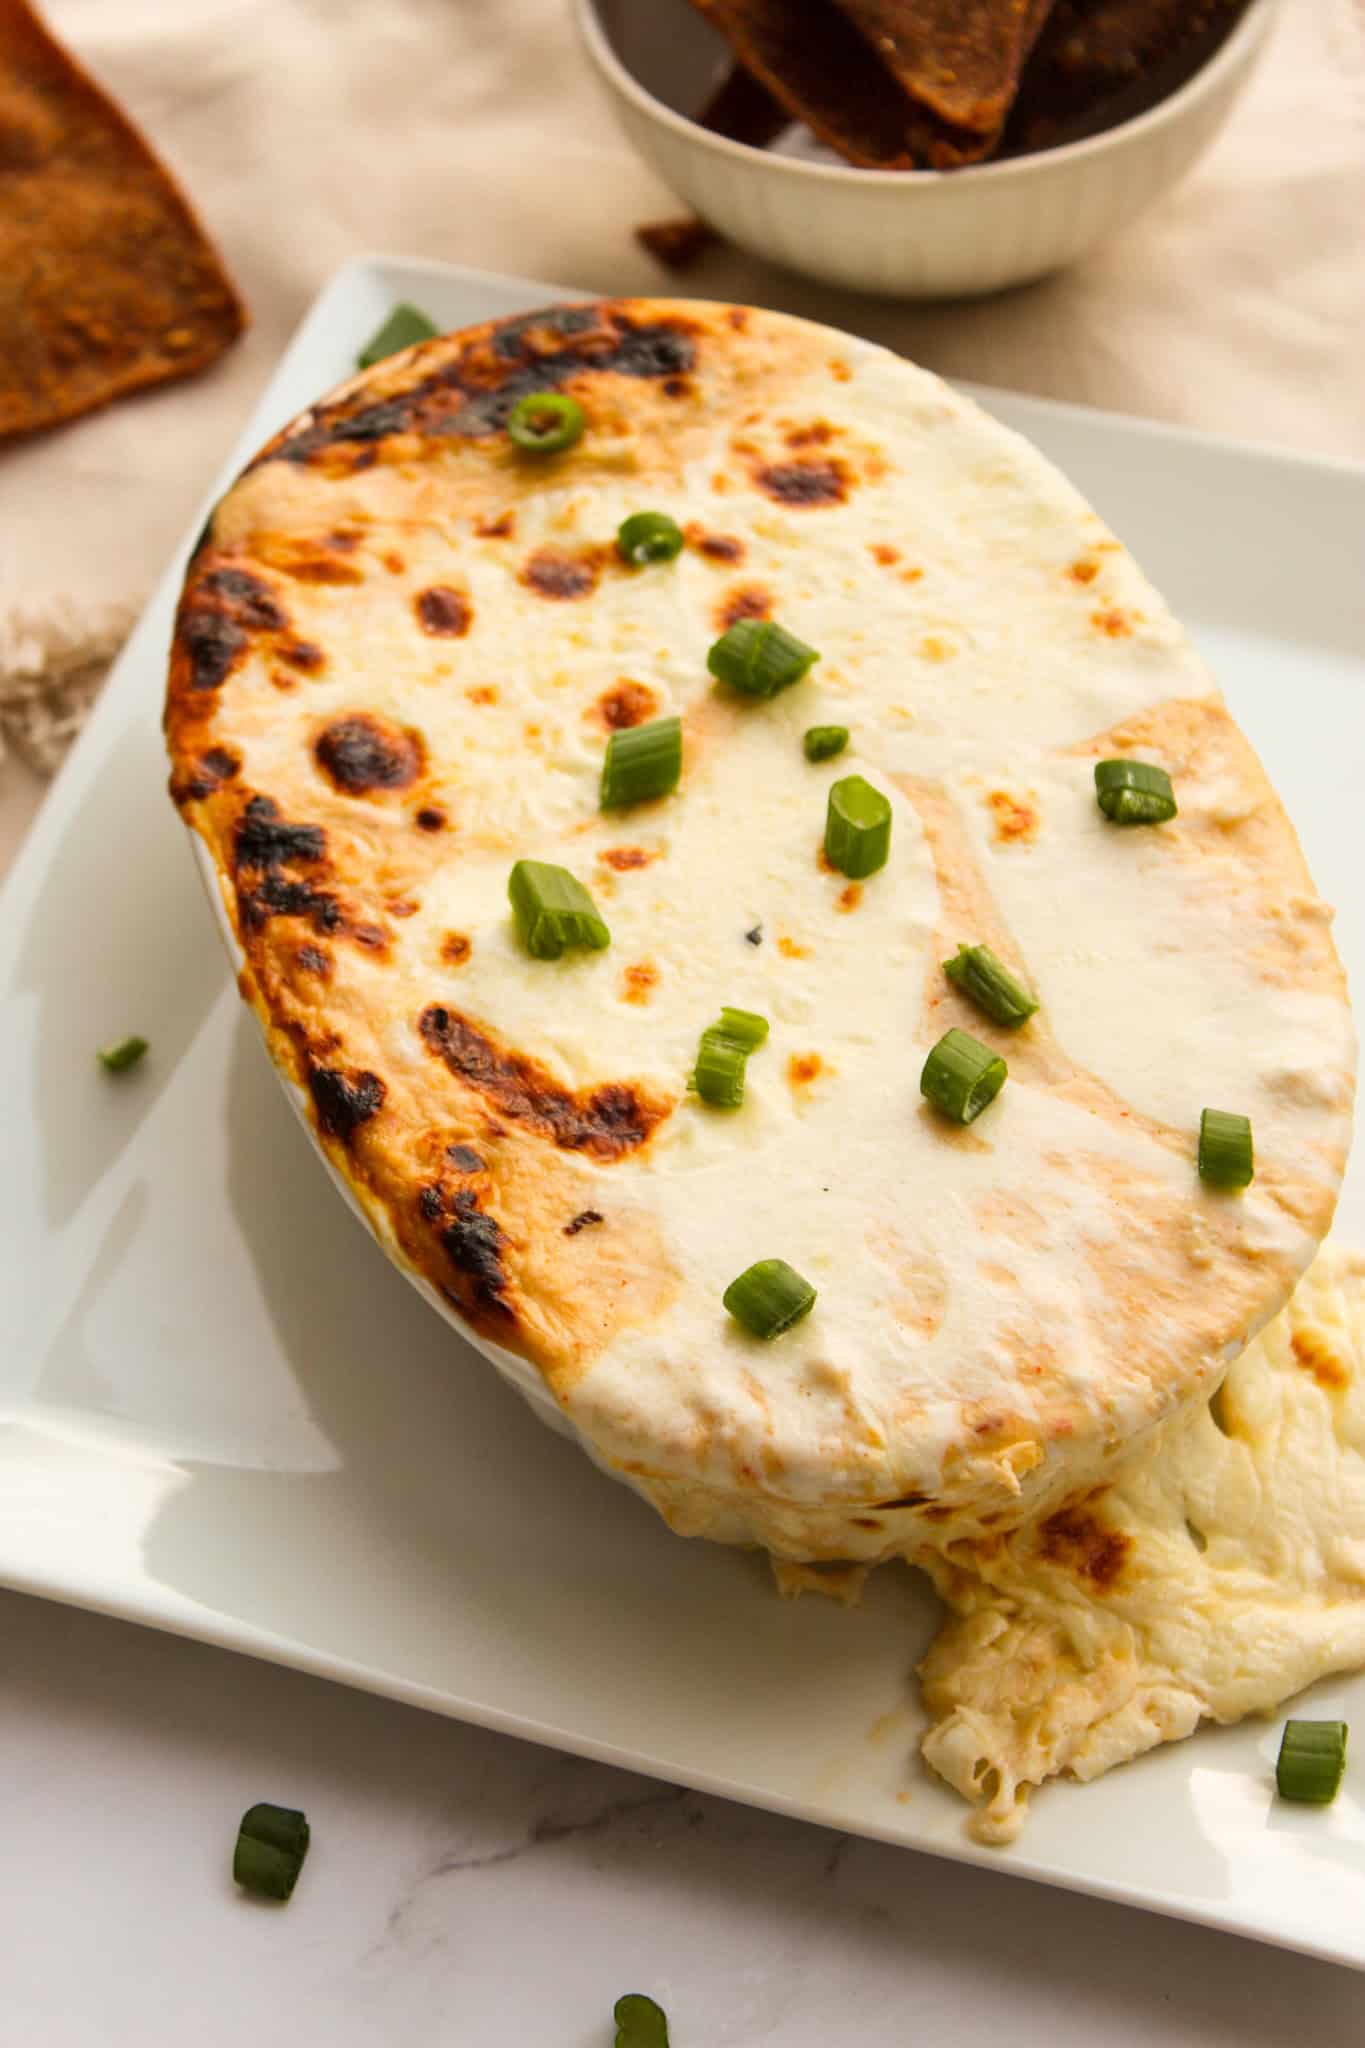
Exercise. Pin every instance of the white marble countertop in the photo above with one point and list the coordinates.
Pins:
(464, 1888)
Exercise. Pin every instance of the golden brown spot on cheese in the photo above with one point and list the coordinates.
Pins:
(445, 613)
(714, 547)
(790, 949)
(607, 1121)
(344, 1101)
(804, 1068)
(393, 561)
(560, 575)
(313, 960)
(818, 434)
(883, 552)
(935, 648)
(402, 906)
(851, 897)
(302, 654)
(1079, 1542)
(747, 601)
(912, 575)
(839, 370)
(430, 819)
(584, 1220)
(1015, 818)
(330, 569)
(806, 484)
(456, 949)
(1084, 571)
(624, 858)
(500, 527)
(676, 387)
(362, 754)
(626, 703)
(483, 693)
(639, 981)
(1117, 623)
(1312, 1351)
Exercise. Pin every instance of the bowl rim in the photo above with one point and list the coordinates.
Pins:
(1238, 47)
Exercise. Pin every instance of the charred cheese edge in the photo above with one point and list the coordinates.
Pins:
(400, 650)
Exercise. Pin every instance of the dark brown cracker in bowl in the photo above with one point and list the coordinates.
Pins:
(107, 282)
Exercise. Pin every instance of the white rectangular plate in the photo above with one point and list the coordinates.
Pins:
(222, 1412)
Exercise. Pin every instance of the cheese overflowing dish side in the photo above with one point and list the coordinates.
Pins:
(730, 847)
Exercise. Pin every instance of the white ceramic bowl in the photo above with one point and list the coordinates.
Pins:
(910, 234)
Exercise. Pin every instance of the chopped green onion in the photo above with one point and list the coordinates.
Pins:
(124, 1053)
(272, 1842)
(986, 979)
(1227, 1158)
(545, 421)
(1134, 792)
(857, 828)
(718, 1076)
(961, 1075)
(759, 657)
(648, 537)
(640, 2023)
(643, 761)
(553, 910)
(1312, 1761)
(404, 327)
(769, 1297)
(823, 742)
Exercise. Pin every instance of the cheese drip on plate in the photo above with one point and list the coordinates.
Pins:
(1219, 1574)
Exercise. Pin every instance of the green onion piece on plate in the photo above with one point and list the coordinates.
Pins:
(553, 910)
(405, 326)
(823, 742)
(272, 1842)
(857, 828)
(648, 537)
(1312, 1761)
(718, 1076)
(1227, 1158)
(984, 977)
(124, 1053)
(544, 422)
(961, 1076)
(640, 2023)
(1134, 792)
(759, 657)
(643, 761)
(769, 1297)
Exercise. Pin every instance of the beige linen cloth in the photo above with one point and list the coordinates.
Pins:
(308, 131)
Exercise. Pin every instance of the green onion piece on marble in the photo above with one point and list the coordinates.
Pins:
(962, 1076)
(642, 762)
(544, 422)
(553, 910)
(124, 1053)
(272, 1842)
(1134, 792)
(759, 657)
(1227, 1157)
(857, 828)
(823, 742)
(769, 1297)
(648, 537)
(1312, 1761)
(640, 2023)
(984, 977)
(405, 326)
(718, 1076)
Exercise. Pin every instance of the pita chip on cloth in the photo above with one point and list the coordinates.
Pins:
(107, 281)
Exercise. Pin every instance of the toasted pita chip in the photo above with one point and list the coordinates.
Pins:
(107, 281)
(961, 60)
(1099, 62)
(816, 65)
